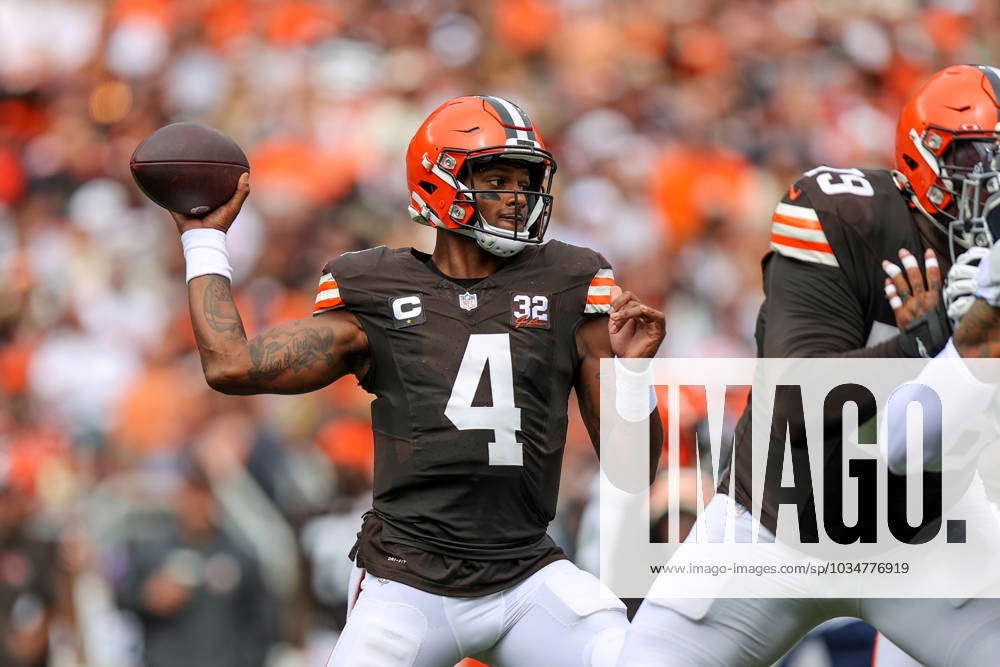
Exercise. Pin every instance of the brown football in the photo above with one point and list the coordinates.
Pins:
(188, 168)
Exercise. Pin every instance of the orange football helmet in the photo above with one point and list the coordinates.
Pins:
(456, 135)
(944, 130)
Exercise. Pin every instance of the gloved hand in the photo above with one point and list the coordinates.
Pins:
(960, 286)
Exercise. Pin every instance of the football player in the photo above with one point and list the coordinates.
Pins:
(471, 352)
(838, 239)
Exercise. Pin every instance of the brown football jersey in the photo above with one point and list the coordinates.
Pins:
(471, 380)
(824, 283)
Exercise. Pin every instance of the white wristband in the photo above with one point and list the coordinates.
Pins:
(205, 253)
(635, 397)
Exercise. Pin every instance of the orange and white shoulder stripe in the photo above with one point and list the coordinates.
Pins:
(599, 292)
(327, 294)
(796, 233)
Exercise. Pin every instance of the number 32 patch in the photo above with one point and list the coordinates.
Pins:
(529, 310)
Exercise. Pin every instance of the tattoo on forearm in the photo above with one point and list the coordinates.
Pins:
(978, 334)
(219, 309)
(273, 353)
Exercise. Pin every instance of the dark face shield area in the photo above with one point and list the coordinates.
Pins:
(960, 160)
(965, 154)
(966, 150)
(978, 221)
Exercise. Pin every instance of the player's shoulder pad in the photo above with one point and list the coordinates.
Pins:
(582, 266)
(828, 209)
(348, 267)
(358, 262)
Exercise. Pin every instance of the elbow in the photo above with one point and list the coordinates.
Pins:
(224, 379)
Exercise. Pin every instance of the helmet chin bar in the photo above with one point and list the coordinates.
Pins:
(503, 242)
(498, 240)
(497, 245)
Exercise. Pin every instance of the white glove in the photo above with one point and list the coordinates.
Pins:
(960, 286)
(987, 280)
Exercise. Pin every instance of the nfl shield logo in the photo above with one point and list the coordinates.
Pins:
(467, 301)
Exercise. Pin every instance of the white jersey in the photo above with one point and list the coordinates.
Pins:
(737, 632)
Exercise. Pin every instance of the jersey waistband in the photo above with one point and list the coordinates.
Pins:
(399, 533)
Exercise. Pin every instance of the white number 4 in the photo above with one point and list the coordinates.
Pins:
(503, 418)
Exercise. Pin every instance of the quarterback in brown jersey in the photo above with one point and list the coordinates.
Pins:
(471, 353)
(855, 271)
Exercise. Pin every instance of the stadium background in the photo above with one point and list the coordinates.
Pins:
(675, 124)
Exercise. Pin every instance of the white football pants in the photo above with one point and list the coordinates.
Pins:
(738, 632)
(560, 616)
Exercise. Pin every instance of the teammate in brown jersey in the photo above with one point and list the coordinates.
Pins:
(835, 236)
(471, 353)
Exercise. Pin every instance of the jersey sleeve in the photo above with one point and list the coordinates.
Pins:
(598, 301)
(812, 313)
(809, 312)
(327, 292)
(349, 280)
(796, 230)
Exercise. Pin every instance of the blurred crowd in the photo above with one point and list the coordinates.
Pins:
(145, 518)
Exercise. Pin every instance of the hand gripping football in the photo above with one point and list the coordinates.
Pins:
(188, 168)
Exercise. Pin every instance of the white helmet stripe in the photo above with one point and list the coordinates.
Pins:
(444, 176)
(992, 75)
(536, 213)
(515, 113)
(929, 157)
(516, 117)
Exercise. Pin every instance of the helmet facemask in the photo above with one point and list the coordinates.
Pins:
(978, 219)
(965, 150)
(532, 206)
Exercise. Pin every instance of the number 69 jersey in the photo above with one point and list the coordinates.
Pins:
(843, 223)
(472, 380)
(824, 283)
